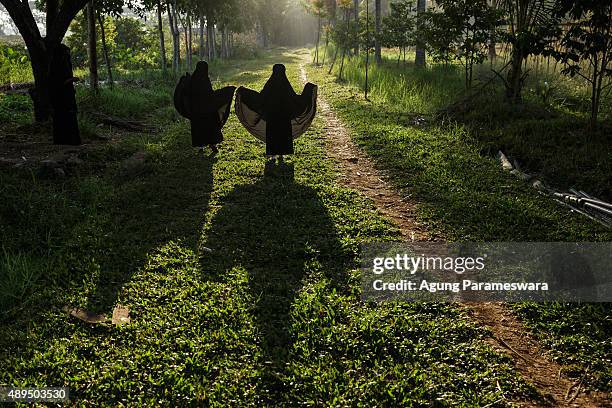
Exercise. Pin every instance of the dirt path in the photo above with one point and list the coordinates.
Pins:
(507, 333)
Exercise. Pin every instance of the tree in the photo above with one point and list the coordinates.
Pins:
(235, 16)
(58, 16)
(588, 43)
(162, 40)
(316, 8)
(493, 44)
(419, 58)
(171, 7)
(532, 25)
(344, 35)
(156, 6)
(462, 31)
(398, 28)
(269, 16)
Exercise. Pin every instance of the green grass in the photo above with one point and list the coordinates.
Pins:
(578, 336)
(465, 196)
(547, 137)
(272, 316)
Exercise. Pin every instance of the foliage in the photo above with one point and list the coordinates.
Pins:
(13, 60)
(136, 44)
(77, 39)
(399, 27)
(345, 34)
(532, 28)
(131, 43)
(461, 31)
(578, 335)
(588, 42)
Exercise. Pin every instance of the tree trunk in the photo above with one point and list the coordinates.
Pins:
(207, 41)
(231, 43)
(378, 26)
(226, 42)
(223, 51)
(367, 63)
(189, 36)
(40, 49)
(162, 41)
(419, 59)
(176, 46)
(202, 43)
(356, 12)
(595, 96)
(40, 93)
(91, 47)
(107, 60)
(326, 46)
(492, 44)
(213, 41)
(318, 41)
(331, 67)
(514, 83)
(262, 35)
(210, 39)
(342, 64)
(186, 31)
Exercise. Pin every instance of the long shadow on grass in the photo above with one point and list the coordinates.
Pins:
(166, 204)
(280, 233)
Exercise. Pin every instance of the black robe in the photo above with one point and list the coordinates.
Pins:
(207, 109)
(277, 115)
(63, 99)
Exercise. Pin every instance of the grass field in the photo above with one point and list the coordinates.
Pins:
(242, 279)
(546, 134)
(444, 164)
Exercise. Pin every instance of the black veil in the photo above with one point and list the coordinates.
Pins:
(277, 95)
(219, 101)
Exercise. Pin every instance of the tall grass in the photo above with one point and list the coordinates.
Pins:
(131, 101)
(410, 88)
(546, 133)
(425, 90)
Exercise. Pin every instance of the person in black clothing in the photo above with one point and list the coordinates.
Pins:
(62, 98)
(207, 109)
(277, 115)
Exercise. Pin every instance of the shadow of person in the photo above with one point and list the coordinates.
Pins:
(278, 232)
(164, 204)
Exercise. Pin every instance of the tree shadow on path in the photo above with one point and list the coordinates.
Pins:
(154, 209)
(279, 231)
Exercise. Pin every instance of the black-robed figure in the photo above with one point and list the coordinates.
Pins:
(63, 98)
(207, 109)
(277, 115)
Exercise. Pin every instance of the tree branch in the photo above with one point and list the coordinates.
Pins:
(24, 20)
(64, 17)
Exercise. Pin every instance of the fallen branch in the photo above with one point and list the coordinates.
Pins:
(20, 86)
(506, 345)
(126, 124)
